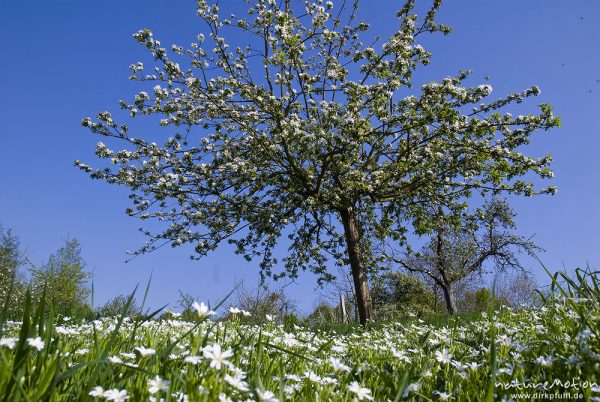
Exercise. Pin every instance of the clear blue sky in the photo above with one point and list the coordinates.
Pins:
(63, 60)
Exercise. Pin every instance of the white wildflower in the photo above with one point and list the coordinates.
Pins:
(157, 384)
(97, 392)
(217, 356)
(8, 342)
(266, 396)
(361, 393)
(144, 351)
(203, 310)
(36, 343)
(444, 356)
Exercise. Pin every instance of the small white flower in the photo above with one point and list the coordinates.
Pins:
(97, 392)
(180, 396)
(157, 384)
(217, 356)
(504, 370)
(269, 317)
(192, 359)
(293, 377)
(444, 396)
(116, 395)
(237, 380)
(115, 360)
(504, 340)
(338, 365)
(144, 351)
(414, 387)
(311, 376)
(36, 343)
(266, 396)
(234, 310)
(401, 355)
(8, 342)
(224, 398)
(545, 361)
(444, 356)
(290, 389)
(203, 310)
(361, 393)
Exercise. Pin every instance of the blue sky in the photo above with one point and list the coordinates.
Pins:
(63, 60)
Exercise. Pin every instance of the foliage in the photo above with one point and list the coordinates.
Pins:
(119, 305)
(180, 361)
(186, 301)
(480, 300)
(12, 283)
(64, 280)
(265, 305)
(396, 295)
(288, 121)
(461, 245)
(323, 314)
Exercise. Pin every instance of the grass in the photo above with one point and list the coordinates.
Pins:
(471, 358)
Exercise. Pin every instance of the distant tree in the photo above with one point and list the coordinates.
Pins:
(461, 245)
(262, 302)
(118, 306)
(300, 125)
(324, 314)
(460, 288)
(517, 288)
(65, 281)
(397, 294)
(185, 302)
(480, 300)
(12, 283)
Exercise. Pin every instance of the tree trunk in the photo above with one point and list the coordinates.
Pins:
(449, 299)
(352, 234)
(343, 309)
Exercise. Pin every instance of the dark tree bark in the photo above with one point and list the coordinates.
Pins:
(359, 275)
(449, 299)
(445, 283)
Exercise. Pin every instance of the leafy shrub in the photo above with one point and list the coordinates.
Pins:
(397, 295)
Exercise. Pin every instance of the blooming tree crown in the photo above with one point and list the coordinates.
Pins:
(280, 126)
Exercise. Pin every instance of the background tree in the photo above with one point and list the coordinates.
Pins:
(324, 315)
(66, 281)
(516, 288)
(479, 300)
(118, 306)
(263, 301)
(293, 126)
(397, 294)
(12, 283)
(460, 246)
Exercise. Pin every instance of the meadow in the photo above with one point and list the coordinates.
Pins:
(547, 352)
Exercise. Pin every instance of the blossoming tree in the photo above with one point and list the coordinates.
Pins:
(293, 127)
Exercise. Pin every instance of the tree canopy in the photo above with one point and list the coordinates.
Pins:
(456, 251)
(297, 126)
(12, 284)
(64, 280)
